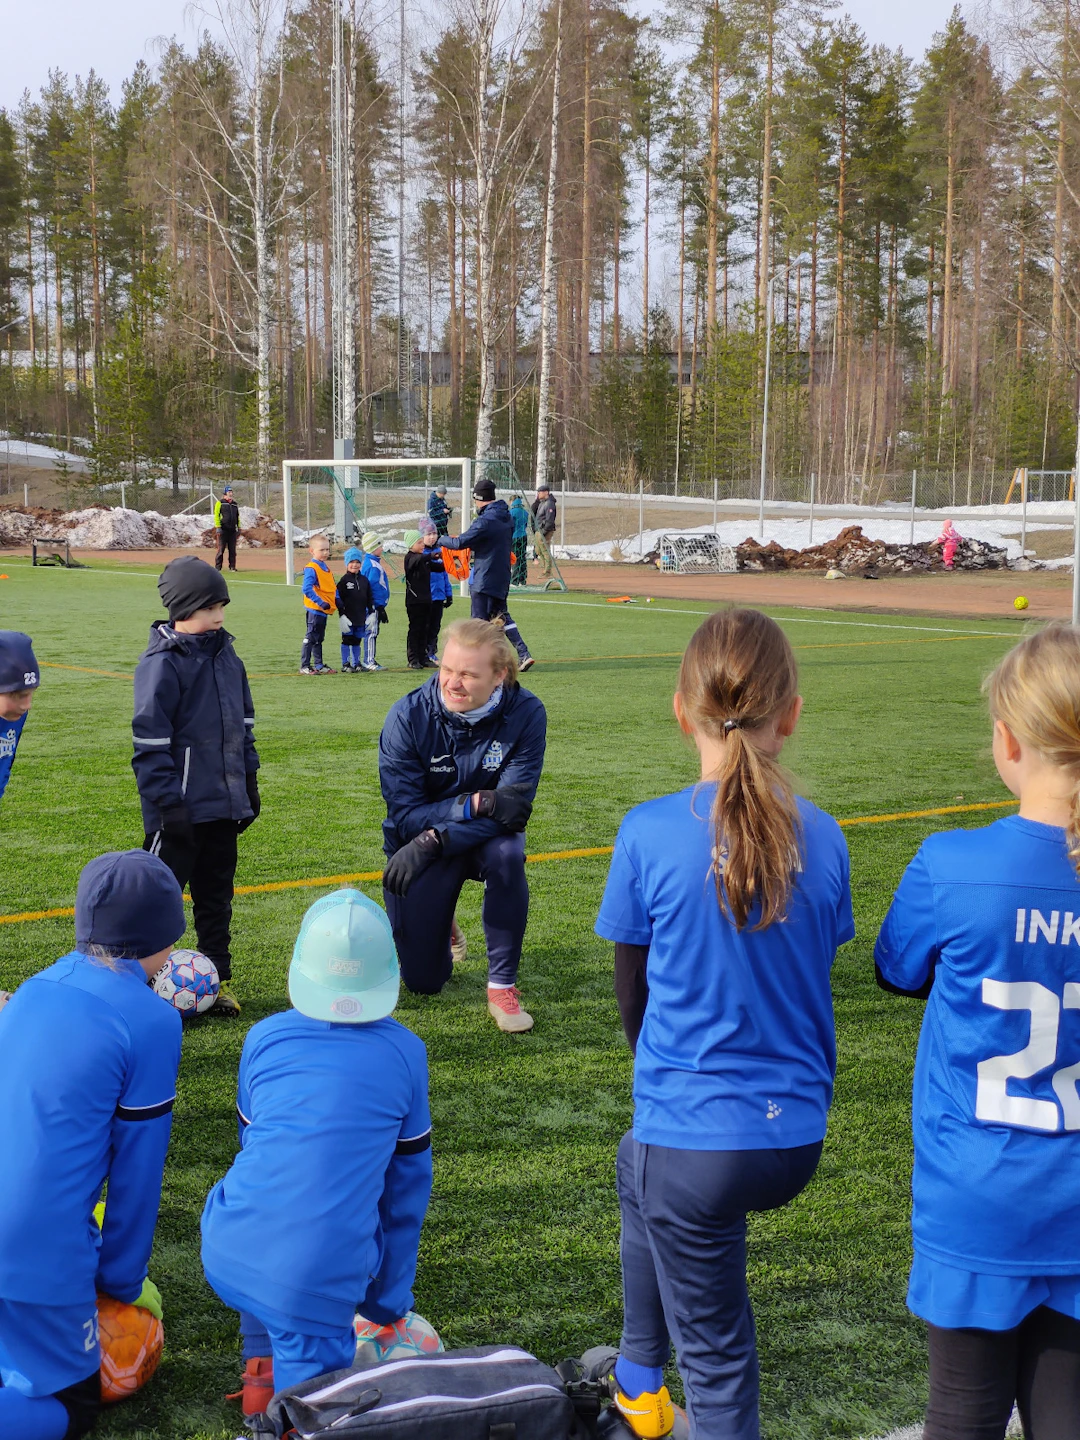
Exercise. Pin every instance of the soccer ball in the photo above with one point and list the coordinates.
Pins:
(131, 1343)
(407, 1337)
(1020, 603)
(188, 981)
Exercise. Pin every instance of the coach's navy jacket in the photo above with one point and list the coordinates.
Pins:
(193, 727)
(490, 538)
(430, 760)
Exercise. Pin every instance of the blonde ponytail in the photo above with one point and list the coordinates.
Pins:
(1035, 691)
(738, 674)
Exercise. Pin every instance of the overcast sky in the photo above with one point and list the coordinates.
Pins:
(110, 36)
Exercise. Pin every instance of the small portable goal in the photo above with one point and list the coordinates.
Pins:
(696, 554)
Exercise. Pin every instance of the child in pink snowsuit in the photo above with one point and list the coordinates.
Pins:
(948, 540)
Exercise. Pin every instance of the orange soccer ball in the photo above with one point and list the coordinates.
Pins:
(131, 1344)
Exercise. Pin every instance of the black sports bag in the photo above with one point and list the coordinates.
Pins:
(495, 1392)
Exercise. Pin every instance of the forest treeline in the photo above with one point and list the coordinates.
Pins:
(904, 232)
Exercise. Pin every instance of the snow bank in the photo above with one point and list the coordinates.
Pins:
(102, 528)
(26, 452)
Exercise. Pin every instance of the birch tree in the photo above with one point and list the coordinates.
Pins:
(547, 274)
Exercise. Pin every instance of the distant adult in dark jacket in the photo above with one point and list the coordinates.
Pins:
(460, 758)
(195, 761)
(439, 510)
(490, 538)
(227, 520)
(545, 515)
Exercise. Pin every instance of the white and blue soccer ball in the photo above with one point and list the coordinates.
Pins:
(188, 981)
(405, 1339)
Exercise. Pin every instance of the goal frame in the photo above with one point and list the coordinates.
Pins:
(336, 464)
(668, 545)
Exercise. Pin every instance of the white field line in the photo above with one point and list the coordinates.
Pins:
(914, 1432)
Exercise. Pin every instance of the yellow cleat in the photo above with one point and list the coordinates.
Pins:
(651, 1415)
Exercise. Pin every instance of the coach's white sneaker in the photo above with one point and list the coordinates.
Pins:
(504, 1007)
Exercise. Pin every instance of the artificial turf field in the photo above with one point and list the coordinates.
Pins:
(521, 1241)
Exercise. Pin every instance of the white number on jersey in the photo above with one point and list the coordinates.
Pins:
(992, 1100)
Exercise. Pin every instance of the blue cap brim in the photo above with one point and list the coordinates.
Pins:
(361, 1007)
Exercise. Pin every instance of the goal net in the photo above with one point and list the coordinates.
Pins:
(344, 499)
(696, 555)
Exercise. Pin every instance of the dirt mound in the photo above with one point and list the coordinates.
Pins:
(856, 554)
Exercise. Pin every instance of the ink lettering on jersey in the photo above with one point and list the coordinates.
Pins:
(436, 766)
(1033, 926)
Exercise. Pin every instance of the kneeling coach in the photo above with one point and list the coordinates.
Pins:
(460, 758)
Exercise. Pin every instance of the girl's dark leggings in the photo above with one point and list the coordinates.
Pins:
(683, 1254)
(976, 1375)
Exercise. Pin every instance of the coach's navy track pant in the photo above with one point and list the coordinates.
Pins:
(493, 607)
(422, 920)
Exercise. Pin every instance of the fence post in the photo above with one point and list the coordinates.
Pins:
(641, 513)
(714, 504)
(562, 512)
(1023, 516)
(286, 497)
(914, 482)
(813, 478)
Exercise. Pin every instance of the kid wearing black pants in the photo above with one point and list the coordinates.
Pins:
(195, 761)
(442, 591)
(354, 605)
(419, 568)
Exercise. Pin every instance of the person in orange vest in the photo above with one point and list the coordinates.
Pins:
(320, 601)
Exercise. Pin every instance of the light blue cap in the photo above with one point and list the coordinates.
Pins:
(353, 554)
(344, 965)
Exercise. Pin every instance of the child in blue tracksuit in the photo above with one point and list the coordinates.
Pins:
(375, 572)
(986, 927)
(726, 903)
(88, 1063)
(442, 590)
(319, 1217)
(354, 605)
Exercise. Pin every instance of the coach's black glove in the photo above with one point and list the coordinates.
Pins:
(509, 806)
(176, 825)
(253, 800)
(410, 861)
(384, 619)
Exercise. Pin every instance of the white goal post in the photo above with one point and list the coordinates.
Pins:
(346, 475)
(696, 554)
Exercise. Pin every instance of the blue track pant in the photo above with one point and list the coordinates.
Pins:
(493, 607)
(683, 1254)
(422, 919)
(297, 1356)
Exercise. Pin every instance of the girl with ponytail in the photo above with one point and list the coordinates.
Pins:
(986, 926)
(726, 903)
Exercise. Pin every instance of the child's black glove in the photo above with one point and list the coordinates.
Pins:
(254, 801)
(448, 603)
(410, 861)
(509, 806)
(176, 825)
(384, 619)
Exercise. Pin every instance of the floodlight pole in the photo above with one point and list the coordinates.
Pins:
(765, 407)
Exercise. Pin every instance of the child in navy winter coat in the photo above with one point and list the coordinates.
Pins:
(195, 762)
(88, 1063)
(354, 605)
(319, 1217)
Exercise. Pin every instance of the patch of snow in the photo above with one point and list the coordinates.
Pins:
(27, 452)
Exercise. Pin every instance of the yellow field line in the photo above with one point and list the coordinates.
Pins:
(317, 881)
(86, 670)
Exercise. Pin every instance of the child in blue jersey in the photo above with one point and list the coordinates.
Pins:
(319, 1217)
(986, 924)
(727, 902)
(88, 1063)
(19, 678)
(375, 572)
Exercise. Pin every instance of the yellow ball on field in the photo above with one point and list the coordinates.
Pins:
(1020, 603)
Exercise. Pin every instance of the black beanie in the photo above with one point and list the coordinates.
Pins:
(484, 490)
(129, 901)
(189, 584)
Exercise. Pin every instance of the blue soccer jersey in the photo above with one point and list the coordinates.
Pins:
(738, 1046)
(322, 1208)
(10, 734)
(994, 915)
(88, 1063)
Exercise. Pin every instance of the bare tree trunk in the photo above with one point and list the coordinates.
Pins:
(548, 318)
(1058, 337)
(766, 167)
(585, 305)
(947, 260)
(713, 214)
